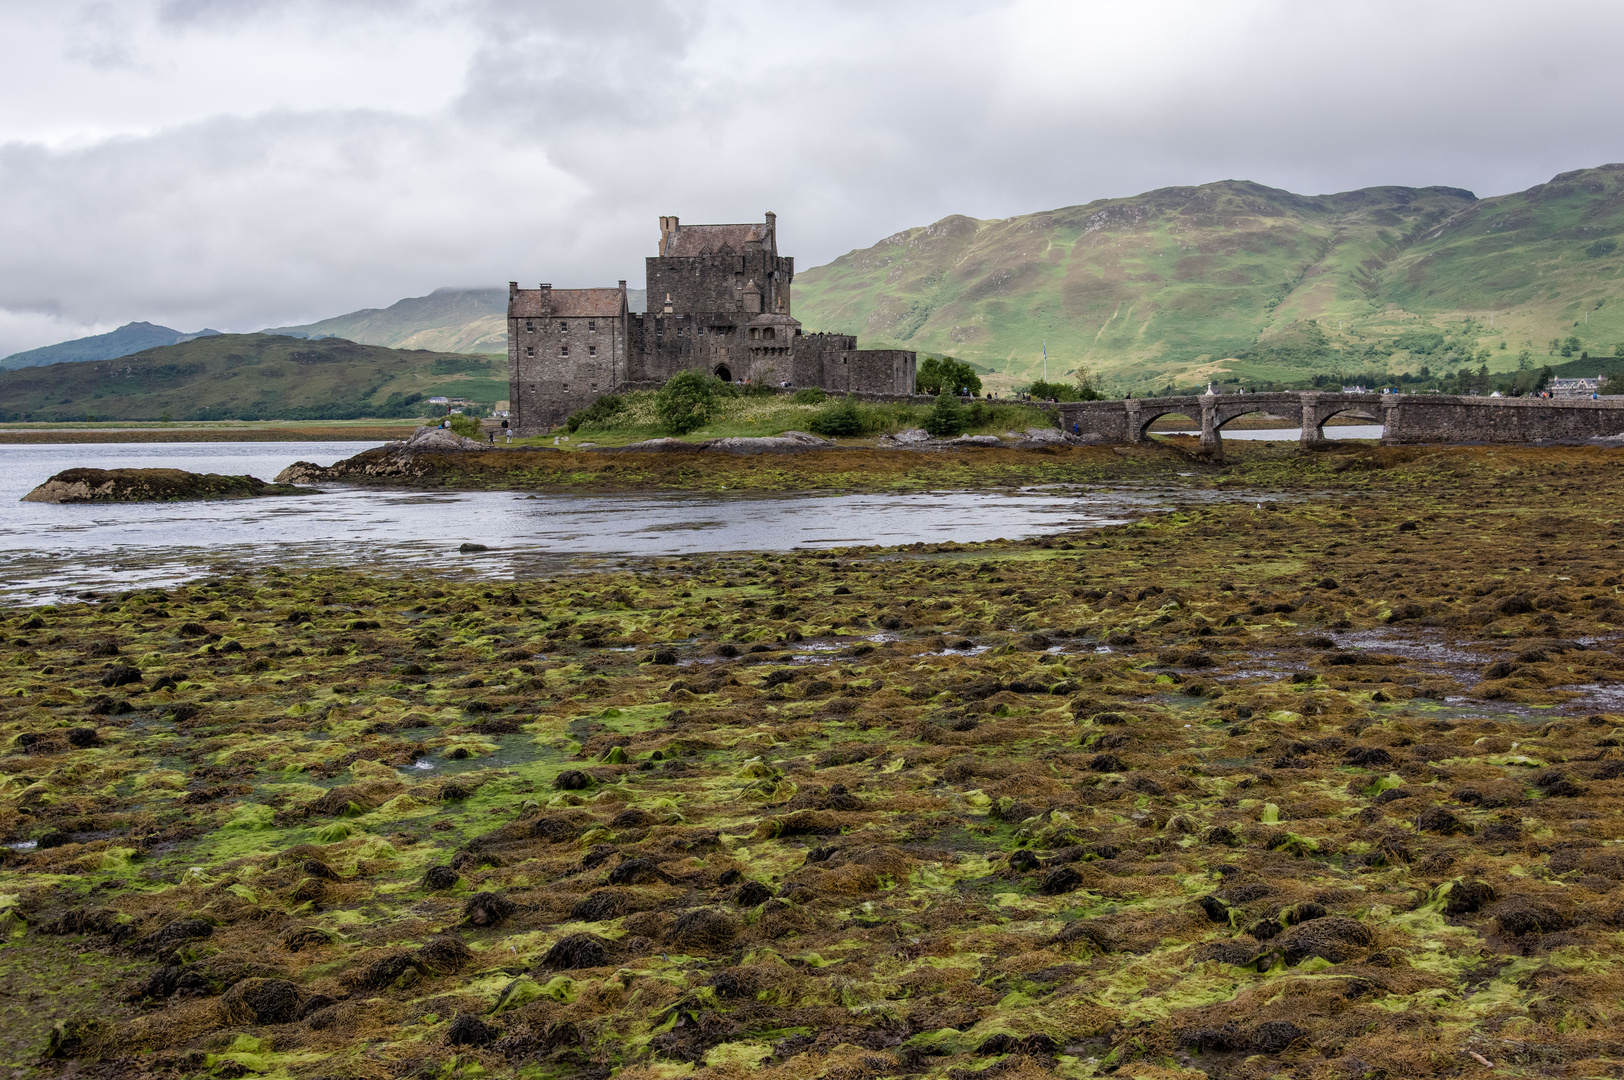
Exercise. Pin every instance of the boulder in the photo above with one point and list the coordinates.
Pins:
(656, 446)
(789, 441)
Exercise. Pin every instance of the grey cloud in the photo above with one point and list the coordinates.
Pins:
(579, 123)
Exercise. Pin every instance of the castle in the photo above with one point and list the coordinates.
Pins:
(718, 302)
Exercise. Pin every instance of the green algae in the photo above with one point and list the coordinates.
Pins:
(279, 794)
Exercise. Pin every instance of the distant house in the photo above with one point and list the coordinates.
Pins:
(1354, 390)
(442, 400)
(1575, 387)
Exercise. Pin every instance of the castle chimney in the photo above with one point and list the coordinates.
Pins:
(513, 290)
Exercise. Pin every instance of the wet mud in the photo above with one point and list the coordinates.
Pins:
(1321, 787)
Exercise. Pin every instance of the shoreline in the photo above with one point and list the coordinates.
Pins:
(177, 433)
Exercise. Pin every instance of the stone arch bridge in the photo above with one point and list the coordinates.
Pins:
(1405, 418)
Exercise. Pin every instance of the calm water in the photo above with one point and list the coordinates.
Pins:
(49, 551)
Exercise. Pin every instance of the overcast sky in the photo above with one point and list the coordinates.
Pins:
(244, 163)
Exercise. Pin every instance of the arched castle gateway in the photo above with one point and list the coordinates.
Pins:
(718, 302)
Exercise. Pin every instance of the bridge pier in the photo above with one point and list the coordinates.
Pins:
(1212, 443)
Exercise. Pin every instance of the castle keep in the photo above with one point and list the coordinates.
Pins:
(718, 302)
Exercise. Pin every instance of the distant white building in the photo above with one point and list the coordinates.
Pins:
(1354, 390)
(1575, 387)
(442, 400)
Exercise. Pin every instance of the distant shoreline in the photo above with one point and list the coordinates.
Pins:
(225, 431)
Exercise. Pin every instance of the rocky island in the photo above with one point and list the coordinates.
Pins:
(153, 485)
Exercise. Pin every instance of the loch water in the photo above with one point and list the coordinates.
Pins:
(49, 552)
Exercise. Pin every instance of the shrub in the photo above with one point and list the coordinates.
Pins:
(813, 395)
(943, 374)
(1059, 391)
(686, 402)
(946, 418)
(838, 419)
(600, 412)
(466, 426)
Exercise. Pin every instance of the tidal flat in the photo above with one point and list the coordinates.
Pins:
(1326, 786)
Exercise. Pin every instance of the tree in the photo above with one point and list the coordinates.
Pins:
(1525, 362)
(686, 402)
(1618, 350)
(946, 417)
(1086, 390)
(945, 375)
(841, 418)
(466, 426)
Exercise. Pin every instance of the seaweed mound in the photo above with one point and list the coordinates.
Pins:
(153, 485)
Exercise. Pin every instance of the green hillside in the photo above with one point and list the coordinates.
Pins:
(1238, 281)
(251, 377)
(446, 320)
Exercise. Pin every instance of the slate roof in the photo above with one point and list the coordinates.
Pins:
(567, 304)
(690, 240)
(586, 303)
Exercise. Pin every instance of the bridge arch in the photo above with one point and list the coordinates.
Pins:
(1318, 413)
(1223, 417)
(1149, 414)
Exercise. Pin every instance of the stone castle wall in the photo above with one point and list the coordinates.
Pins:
(718, 302)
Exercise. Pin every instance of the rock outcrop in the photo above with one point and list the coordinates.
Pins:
(153, 485)
(788, 442)
(400, 458)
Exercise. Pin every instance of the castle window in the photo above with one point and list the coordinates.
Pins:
(530, 326)
(591, 326)
(592, 350)
(767, 333)
(563, 328)
(563, 350)
(755, 332)
(530, 350)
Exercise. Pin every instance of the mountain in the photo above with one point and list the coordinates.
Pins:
(127, 339)
(1240, 280)
(448, 320)
(250, 377)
